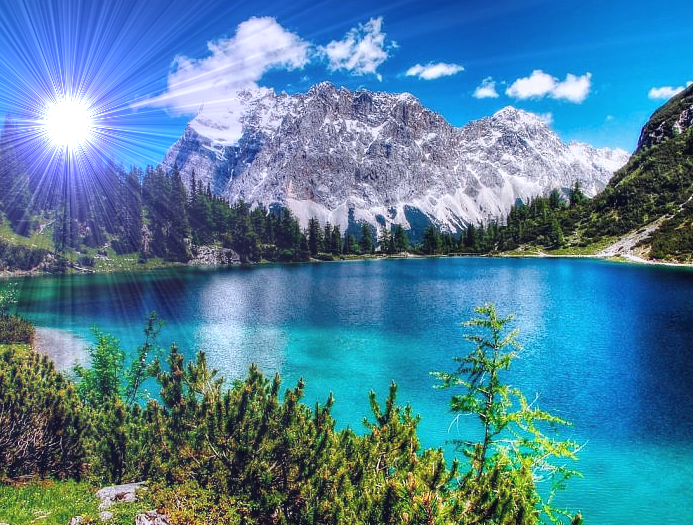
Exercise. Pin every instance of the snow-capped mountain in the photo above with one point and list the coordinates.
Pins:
(345, 156)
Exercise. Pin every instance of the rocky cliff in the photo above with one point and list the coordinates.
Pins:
(345, 156)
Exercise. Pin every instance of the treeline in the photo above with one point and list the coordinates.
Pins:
(328, 240)
(252, 454)
(151, 213)
(539, 220)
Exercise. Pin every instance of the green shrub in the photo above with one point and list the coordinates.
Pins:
(14, 329)
(42, 425)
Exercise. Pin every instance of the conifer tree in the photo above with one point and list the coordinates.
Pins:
(42, 425)
(576, 194)
(315, 237)
(327, 238)
(178, 229)
(336, 240)
(385, 240)
(400, 239)
(432, 242)
(366, 240)
(514, 447)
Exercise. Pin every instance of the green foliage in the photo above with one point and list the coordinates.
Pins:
(17, 257)
(401, 242)
(315, 237)
(15, 329)
(432, 243)
(191, 504)
(138, 372)
(660, 125)
(514, 450)
(42, 425)
(8, 297)
(249, 454)
(655, 185)
(102, 381)
(366, 241)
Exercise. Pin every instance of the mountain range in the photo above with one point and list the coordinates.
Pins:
(346, 156)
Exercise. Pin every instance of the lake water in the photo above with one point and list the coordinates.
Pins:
(607, 346)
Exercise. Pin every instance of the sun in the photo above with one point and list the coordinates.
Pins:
(69, 123)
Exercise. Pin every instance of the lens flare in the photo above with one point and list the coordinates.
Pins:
(69, 123)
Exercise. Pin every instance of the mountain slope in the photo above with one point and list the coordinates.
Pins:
(344, 156)
(655, 188)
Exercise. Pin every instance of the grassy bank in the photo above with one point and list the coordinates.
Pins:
(47, 503)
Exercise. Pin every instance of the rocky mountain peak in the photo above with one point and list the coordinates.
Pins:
(346, 156)
(672, 119)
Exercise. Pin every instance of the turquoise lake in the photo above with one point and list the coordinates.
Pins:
(607, 346)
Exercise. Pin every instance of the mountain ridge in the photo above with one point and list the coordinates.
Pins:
(358, 156)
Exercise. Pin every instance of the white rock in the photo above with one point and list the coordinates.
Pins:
(117, 493)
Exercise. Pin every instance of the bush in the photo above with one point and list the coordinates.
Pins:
(41, 419)
(14, 329)
(85, 260)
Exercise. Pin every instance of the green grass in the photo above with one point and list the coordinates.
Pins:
(49, 503)
(35, 240)
(126, 263)
(56, 502)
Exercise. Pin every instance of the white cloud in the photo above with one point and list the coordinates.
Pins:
(433, 71)
(233, 64)
(487, 89)
(539, 84)
(666, 92)
(573, 88)
(361, 51)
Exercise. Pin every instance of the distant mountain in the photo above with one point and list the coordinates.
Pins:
(343, 156)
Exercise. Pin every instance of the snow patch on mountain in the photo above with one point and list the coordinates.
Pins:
(344, 156)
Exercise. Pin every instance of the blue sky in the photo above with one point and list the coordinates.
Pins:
(595, 70)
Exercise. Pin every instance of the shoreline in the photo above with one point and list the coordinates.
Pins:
(623, 258)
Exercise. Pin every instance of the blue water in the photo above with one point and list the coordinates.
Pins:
(607, 346)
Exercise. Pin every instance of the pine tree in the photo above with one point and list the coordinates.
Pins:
(555, 200)
(576, 194)
(132, 211)
(15, 198)
(156, 193)
(336, 244)
(400, 239)
(366, 240)
(432, 242)
(385, 240)
(470, 237)
(178, 229)
(42, 423)
(315, 238)
(327, 238)
(500, 482)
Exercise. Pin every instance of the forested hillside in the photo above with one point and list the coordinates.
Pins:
(50, 220)
(653, 191)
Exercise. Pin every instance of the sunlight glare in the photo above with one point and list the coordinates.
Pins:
(69, 123)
